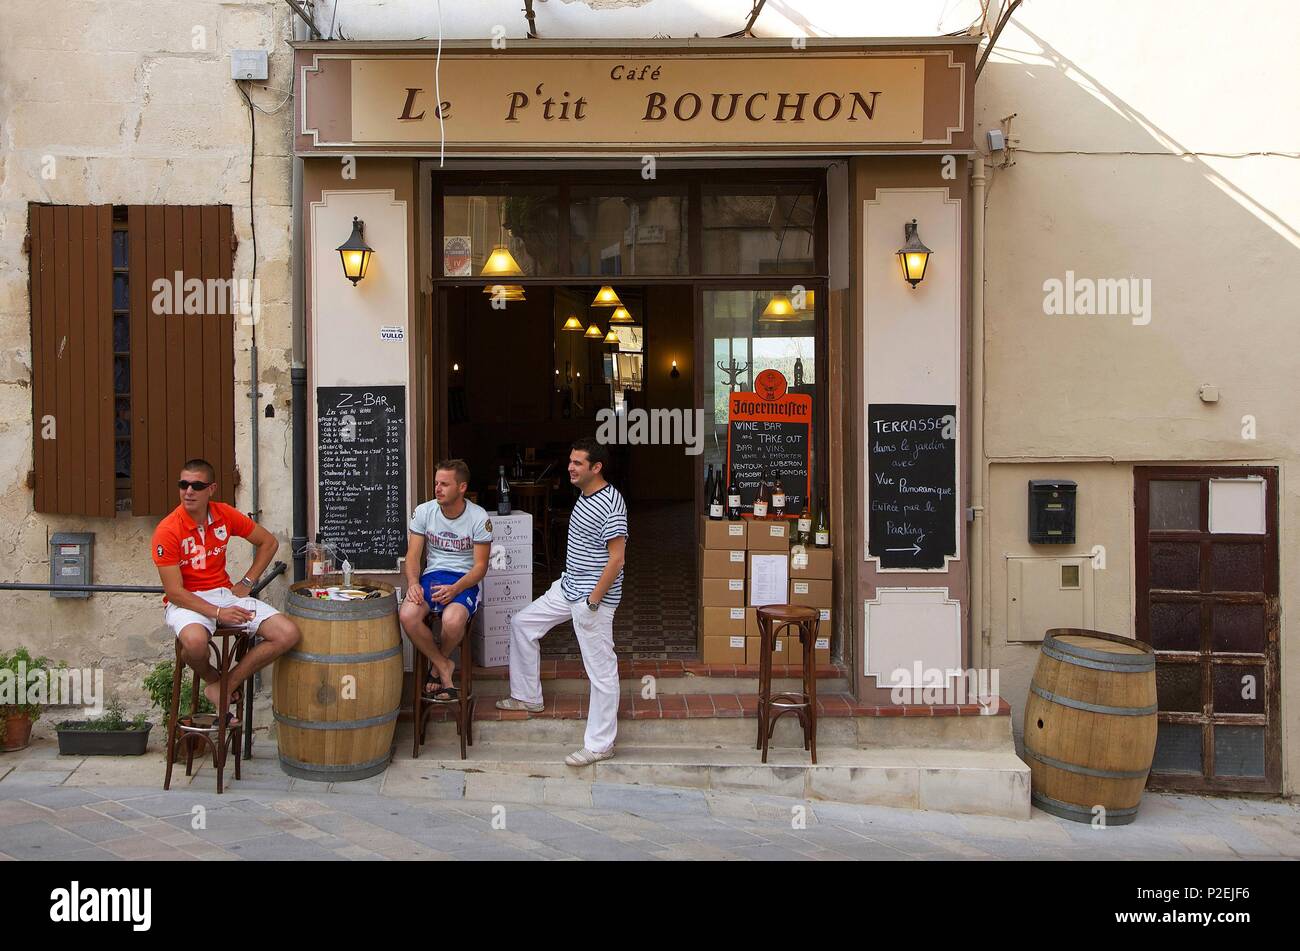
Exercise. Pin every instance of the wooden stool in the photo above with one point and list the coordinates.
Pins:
(462, 706)
(218, 736)
(773, 619)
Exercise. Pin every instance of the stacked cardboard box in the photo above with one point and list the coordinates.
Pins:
(768, 576)
(810, 585)
(507, 588)
(722, 590)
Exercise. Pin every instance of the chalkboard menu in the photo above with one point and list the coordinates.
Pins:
(361, 472)
(911, 484)
(767, 438)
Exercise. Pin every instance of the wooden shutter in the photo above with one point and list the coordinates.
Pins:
(183, 365)
(71, 274)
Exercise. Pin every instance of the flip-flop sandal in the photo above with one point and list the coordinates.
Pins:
(445, 694)
(432, 681)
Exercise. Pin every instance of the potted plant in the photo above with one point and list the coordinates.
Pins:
(111, 734)
(158, 684)
(16, 719)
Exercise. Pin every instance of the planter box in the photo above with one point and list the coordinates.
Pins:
(102, 742)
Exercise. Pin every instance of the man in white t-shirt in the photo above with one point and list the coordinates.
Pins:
(457, 535)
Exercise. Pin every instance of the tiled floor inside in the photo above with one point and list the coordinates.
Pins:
(657, 617)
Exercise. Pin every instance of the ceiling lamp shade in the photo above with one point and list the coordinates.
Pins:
(913, 256)
(355, 253)
(780, 309)
(501, 263)
(595, 333)
(605, 297)
(573, 323)
(620, 316)
(508, 292)
(612, 336)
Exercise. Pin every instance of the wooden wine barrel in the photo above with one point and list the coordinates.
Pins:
(337, 695)
(1090, 725)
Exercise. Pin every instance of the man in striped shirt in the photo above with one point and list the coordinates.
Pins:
(587, 593)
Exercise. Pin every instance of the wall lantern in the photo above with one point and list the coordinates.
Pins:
(675, 372)
(355, 253)
(913, 256)
(605, 297)
(595, 333)
(573, 323)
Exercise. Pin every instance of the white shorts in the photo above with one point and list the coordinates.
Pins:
(178, 618)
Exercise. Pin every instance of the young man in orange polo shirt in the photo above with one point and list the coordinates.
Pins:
(189, 549)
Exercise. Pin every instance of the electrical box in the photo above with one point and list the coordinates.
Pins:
(71, 562)
(1044, 592)
(1051, 512)
(248, 64)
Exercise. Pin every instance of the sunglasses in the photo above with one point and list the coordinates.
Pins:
(196, 486)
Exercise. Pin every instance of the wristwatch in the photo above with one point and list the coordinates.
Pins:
(592, 607)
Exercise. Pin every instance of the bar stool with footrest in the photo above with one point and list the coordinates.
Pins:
(462, 707)
(221, 731)
(773, 619)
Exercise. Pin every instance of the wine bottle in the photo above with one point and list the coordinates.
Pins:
(823, 534)
(503, 492)
(715, 503)
(778, 497)
(708, 487)
(803, 528)
(733, 501)
(763, 498)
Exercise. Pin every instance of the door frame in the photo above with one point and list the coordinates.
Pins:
(1271, 719)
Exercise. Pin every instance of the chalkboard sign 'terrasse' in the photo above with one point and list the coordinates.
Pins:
(911, 484)
(361, 472)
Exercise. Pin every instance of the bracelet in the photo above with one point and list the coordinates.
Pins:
(251, 582)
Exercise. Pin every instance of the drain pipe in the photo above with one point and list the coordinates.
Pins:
(980, 633)
(298, 368)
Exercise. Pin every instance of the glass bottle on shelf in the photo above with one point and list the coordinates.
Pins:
(778, 497)
(763, 499)
(733, 503)
(823, 534)
(503, 492)
(715, 502)
(708, 487)
(803, 528)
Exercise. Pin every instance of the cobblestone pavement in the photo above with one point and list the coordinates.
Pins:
(102, 808)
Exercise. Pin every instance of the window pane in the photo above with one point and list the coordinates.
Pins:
(119, 249)
(122, 421)
(1178, 688)
(1237, 567)
(1238, 627)
(1175, 506)
(121, 374)
(763, 231)
(1238, 689)
(1178, 749)
(1175, 626)
(523, 218)
(627, 234)
(121, 333)
(1175, 566)
(1239, 751)
(122, 459)
(121, 299)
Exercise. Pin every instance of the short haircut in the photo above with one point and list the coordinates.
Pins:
(201, 465)
(597, 452)
(456, 466)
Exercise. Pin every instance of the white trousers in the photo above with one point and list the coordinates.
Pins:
(595, 630)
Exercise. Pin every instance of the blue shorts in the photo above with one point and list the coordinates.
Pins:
(430, 579)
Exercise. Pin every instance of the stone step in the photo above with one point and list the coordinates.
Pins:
(982, 782)
(729, 721)
(669, 677)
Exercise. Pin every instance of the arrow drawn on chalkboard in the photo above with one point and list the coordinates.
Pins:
(915, 549)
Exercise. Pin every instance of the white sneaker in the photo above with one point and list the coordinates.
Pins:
(585, 757)
(510, 703)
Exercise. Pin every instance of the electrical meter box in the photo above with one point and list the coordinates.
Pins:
(1051, 511)
(71, 562)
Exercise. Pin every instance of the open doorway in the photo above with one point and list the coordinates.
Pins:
(525, 380)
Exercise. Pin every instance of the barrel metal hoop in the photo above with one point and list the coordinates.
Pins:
(1054, 651)
(1086, 770)
(345, 658)
(1074, 650)
(335, 773)
(336, 724)
(1092, 707)
(315, 609)
(1068, 810)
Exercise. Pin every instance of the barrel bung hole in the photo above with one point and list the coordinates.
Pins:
(1040, 724)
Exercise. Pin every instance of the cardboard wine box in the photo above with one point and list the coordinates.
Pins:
(491, 650)
(724, 535)
(720, 621)
(769, 535)
(715, 563)
(722, 592)
(814, 594)
(751, 623)
(780, 652)
(724, 649)
(821, 650)
(813, 565)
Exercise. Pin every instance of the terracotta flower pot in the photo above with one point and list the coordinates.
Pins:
(18, 732)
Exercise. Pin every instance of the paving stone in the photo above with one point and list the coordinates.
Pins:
(282, 848)
(647, 801)
(62, 797)
(39, 840)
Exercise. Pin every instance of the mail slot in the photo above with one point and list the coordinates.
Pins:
(1051, 511)
(71, 561)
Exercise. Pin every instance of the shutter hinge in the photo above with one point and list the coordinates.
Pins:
(31, 478)
(234, 242)
(27, 244)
